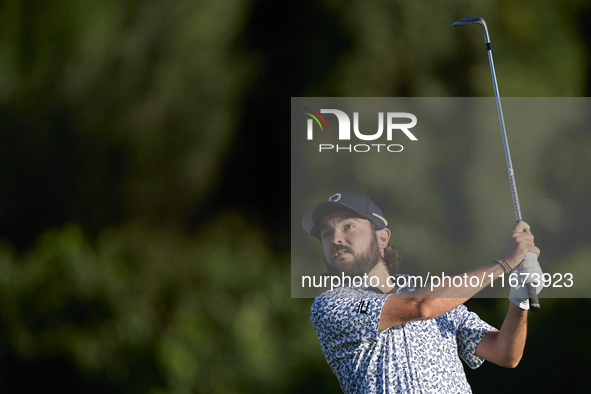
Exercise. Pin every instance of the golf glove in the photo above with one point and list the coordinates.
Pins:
(530, 266)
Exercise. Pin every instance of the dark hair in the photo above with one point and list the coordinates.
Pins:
(391, 256)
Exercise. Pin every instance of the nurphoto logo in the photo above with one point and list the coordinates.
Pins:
(393, 127)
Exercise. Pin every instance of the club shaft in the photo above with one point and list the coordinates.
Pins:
(532, 295)
(514, 194)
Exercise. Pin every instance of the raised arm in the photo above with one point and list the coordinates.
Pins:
(427, 303)
(505, 347)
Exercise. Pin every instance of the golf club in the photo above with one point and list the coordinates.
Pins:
(534, 303)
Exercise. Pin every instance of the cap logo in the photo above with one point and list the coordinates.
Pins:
(335, 197)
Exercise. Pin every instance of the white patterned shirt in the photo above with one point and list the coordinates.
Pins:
(414, 357)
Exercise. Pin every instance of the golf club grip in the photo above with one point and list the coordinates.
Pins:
(534, 303)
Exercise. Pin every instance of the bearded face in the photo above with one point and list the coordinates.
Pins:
(350, 245)
(362, 262)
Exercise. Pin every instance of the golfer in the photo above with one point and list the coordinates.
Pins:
(384, 338)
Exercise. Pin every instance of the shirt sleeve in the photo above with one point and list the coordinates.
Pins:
(344, 318)
(470, 330)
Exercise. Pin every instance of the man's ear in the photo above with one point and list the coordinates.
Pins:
(383, 236)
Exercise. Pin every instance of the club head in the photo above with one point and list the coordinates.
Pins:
(470, 20)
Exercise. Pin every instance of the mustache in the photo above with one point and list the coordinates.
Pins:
(338, 248)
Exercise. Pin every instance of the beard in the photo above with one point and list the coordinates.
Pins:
(363, 262)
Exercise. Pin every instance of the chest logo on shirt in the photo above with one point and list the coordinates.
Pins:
(363, 307)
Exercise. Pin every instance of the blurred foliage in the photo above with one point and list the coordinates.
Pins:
(157, 311)
(132, 105)
(144, 201)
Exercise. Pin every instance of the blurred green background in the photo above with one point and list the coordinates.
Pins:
(144, 195)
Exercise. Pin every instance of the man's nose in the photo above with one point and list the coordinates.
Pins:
(337, 238)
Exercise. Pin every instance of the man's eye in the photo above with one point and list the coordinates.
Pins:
(326, 235)
(348, 226)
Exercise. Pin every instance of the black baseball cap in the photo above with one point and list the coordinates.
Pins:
(358, 203)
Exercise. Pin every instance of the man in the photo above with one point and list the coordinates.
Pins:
(383, 338)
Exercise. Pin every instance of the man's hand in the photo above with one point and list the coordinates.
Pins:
(528, 271)
(519, 242)
(521, 254)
